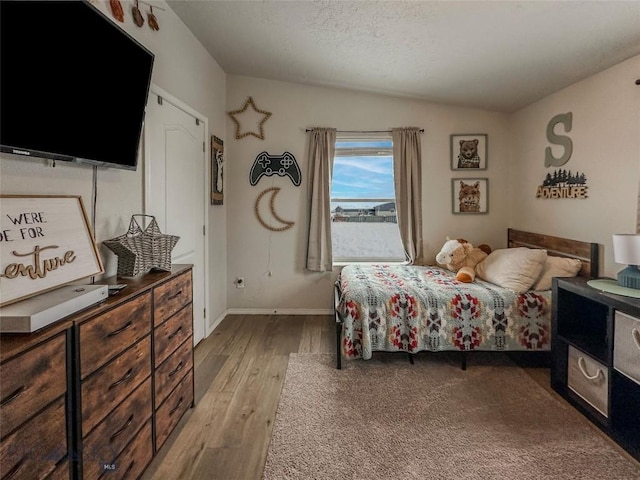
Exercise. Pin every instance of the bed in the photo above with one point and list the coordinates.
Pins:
(406, 308)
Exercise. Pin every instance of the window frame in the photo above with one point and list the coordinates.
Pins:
(362, 152)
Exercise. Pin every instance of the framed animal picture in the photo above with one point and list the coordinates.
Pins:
(217, 166)
(469, 195)
(469, 151)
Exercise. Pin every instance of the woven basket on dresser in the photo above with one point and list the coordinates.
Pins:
(140, 250)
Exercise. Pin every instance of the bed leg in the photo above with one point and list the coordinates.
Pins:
(338, 350)
(410, 358)
(463, 360)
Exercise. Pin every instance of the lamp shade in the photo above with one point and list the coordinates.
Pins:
(626, 248)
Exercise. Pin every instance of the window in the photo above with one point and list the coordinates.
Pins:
(364, 225)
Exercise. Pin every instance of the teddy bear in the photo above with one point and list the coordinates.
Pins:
(461, 257)
(468, 156)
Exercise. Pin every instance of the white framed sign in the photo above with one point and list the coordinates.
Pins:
(45, 242)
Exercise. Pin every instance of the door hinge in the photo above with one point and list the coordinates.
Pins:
(159, 100)
(203, 147)
(205, 313)
(197, 121)
(204, 232)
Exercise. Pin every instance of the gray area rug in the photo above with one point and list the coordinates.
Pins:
(387, 419)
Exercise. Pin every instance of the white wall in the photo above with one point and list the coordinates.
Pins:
(606, 122)
(183, 68)
(254, 251)
(606, 147)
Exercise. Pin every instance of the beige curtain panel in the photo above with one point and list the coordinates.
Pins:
(322, 143)
(407, 172)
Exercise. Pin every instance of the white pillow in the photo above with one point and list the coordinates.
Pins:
(556, 267)
(513, 268)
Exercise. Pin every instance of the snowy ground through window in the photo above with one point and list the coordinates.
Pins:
(375, 240)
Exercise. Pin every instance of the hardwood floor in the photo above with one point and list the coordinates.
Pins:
(240, 370)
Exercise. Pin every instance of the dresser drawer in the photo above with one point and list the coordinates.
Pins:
(31, 381)
(169, 374)
(33, 450)
(172, 333)
(105, 336)
(589, 379)
(133, 459)
(170, 297)
(173, 408)
(114, 382)
(626, 346)
(111, 436)
(61, 472)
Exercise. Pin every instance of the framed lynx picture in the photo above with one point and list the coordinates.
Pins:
(469, 151)
(470, 195)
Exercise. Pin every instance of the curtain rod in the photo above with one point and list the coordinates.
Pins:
(362, 131)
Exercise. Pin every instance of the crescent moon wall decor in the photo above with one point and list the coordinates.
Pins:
(286, 223)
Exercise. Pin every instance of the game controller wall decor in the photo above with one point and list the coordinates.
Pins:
(286, 224)
(284, 165)
(265, 117)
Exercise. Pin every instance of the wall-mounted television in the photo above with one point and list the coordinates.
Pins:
(74, 85)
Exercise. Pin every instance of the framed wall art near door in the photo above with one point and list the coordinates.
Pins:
(469, 195)
(45, 242)
(469, 151)
(217, 175)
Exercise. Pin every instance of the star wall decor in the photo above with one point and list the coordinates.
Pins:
(265, 117)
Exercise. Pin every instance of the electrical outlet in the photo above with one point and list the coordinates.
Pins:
(239, 282)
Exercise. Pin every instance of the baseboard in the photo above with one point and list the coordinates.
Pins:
(212, 326)
(279, 311)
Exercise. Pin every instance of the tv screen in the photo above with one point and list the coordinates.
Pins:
(73, 84)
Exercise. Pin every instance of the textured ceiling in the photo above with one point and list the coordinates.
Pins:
(497, 55)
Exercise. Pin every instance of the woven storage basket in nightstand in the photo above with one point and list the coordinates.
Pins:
(140, 250)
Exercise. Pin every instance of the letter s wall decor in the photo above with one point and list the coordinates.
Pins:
(563, 140)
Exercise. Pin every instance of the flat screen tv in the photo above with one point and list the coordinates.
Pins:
(73, 84)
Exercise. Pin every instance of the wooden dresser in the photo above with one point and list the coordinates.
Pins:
(35, 436)
(104, 388)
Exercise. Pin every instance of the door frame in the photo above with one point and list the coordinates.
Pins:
(166, 96)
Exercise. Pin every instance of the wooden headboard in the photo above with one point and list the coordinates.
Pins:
(586, 252)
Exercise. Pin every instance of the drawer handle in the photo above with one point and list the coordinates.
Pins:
(120, 330)
(126, 474)
(635, 333)
(61, 461)
(583, 369)
(17, 392)
(178, 368)
(126, 377)
(176, 332)
(12, 473)
(121, 431)
(175, 295)
(177, 406)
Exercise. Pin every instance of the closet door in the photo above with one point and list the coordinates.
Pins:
(175, 177)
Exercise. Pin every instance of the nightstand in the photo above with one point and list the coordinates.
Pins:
(595, 362)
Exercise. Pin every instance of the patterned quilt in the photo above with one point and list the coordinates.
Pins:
(411, 309)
